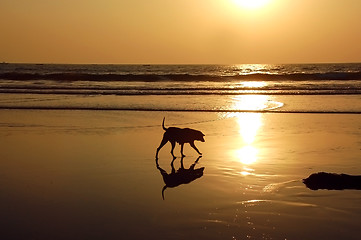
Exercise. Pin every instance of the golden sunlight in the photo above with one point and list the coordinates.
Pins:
(251, 4)
(247, 155)
(250, 102)
(254, 84)
(249, 124)
(253, 102)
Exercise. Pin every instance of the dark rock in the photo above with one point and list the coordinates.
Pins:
(332, 181)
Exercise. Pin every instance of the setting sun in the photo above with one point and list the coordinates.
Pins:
(251, 4)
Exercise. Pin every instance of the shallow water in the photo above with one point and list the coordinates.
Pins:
(190, 103)
(92, 175)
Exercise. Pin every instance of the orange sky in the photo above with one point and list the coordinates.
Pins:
(181, 31)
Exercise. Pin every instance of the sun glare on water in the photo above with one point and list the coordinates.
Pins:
(251, 4)
(247, 154)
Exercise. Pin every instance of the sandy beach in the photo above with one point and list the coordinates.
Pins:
(93, 175)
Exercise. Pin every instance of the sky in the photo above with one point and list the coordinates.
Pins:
(179, 31)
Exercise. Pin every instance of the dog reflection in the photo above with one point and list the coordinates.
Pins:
(181, 176)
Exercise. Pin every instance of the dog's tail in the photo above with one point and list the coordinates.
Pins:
(165, 129)
(164, 188)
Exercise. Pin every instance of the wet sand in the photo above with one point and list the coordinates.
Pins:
(93, 175)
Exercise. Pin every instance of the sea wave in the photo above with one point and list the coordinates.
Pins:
(180, 77)
(140, 92)
(88, 88)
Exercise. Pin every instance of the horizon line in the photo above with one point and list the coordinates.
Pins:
(69, 63)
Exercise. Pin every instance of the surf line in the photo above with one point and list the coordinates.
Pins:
(170, 110)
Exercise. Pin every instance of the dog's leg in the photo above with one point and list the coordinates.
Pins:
(182, 145)
(173, 146)
(195, 148)
(172, 165)
(194, 164)
(181, 161)
(164, 141)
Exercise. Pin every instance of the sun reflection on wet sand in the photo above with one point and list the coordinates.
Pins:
(249, 125)
(247, 154)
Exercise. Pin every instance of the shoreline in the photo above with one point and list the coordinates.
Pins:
(170, 110)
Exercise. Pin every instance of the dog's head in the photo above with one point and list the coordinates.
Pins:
(200, 136)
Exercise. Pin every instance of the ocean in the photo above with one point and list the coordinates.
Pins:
(314, 88)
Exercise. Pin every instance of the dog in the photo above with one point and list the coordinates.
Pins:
(181, 136)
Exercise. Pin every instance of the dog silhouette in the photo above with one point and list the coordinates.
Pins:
(180, 135)
(181, 176)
